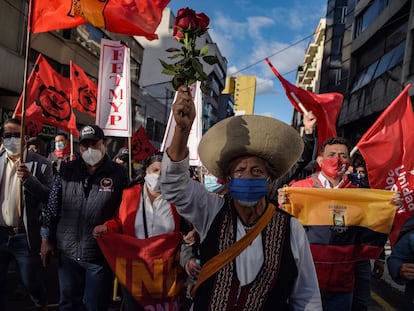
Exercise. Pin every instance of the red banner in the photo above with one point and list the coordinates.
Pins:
(326, 107)
(47, 98)
(134, 17)
(84, 91)
(141, 145)
(388, 150)
(148, 268)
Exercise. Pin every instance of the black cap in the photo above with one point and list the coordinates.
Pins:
(92, 132)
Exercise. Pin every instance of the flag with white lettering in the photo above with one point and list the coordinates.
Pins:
(388, 149)
(113, 112)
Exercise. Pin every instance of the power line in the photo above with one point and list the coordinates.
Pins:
(277, 52)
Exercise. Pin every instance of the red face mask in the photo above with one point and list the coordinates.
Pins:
(334, 167)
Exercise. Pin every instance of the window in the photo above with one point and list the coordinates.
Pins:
(13, 23)
(369, 15)
(338, 76)
(340, 13)
(337, 45)
(380, 66)
(135, 69)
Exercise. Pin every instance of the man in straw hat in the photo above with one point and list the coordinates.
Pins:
(253, 255)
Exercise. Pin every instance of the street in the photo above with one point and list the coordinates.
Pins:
(386, 296)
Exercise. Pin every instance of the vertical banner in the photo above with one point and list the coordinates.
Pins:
(196, 129)
(113, 112)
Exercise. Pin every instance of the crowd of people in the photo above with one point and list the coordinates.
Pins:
(216, 238)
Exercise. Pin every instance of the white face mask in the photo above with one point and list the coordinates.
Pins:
(153, 182)
(92, 156)
(59, 145)
(12, 145)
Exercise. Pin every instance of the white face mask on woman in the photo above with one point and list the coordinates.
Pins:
(153, 182)
(92, 156)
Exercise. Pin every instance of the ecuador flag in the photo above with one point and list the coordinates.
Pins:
(343, 225)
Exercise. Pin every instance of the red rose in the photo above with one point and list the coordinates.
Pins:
(203, 22)
(178, 35)
(186, 20)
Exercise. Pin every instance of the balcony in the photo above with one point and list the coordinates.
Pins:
(312, 49)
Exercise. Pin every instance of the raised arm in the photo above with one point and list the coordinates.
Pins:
(184, 114)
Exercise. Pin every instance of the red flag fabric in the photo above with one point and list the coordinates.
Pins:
(134, 17)
(84, 91)
(388, 149)
(47, 98)
(50, 15)
(326, 106)
(149, 268)
(141, 145)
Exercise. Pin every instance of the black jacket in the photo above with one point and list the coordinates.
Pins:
(79, 202)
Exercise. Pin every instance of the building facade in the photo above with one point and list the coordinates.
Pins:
(80, 44)
(368, 57)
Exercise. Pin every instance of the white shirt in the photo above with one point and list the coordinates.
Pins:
(325, 182)
(159, 217)
(9, 194)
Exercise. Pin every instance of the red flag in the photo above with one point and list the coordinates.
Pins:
(148, 268)
(50, 15)
(133, 17)
(141, 146)
(326, 107)
(84, 91)
(388, 149)
(47, 98)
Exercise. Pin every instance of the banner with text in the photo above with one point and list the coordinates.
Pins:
(113, 113)
(196, 129)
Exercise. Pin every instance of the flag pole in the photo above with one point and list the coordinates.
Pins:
(23, 117)
(353, 151)
(129, 158)
(25, 74)
(296, 99)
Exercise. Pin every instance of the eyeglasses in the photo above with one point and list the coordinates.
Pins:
(10, 135)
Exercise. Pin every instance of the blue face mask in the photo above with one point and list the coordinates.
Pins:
(248, 189)
(211, 184)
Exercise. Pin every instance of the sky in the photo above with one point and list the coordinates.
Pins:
(248, 31)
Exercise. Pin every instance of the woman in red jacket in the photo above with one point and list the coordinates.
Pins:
(155, 227)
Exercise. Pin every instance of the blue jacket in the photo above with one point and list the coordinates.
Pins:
(403, 252)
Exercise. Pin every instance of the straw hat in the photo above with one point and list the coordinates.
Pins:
(270, 139)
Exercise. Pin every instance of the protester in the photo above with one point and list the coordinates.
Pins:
(362, 288)
(19, 224)
(86, 193)
(36, 145)
(273, 269)
(336, 281)
(145, 215)
(306, 164)
(122, 157)
(61, 153)
(401, 262)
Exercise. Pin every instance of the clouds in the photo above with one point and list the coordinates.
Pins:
(247, 31)
(247, 40)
